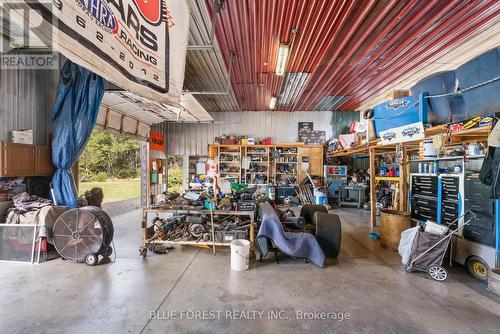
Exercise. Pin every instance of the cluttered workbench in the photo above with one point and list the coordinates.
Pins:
(200, 217)
(199, 228)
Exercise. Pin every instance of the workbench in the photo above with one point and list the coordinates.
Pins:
(211, 243)
(360, 191)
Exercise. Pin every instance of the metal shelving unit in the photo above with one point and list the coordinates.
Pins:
(148, 230)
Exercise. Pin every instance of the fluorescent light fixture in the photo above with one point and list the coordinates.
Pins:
(272, 104)
(283, 53)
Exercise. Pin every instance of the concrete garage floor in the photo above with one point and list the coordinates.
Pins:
(366, 282)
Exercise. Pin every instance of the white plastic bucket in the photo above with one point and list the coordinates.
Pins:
(240, 254)
(429, 149)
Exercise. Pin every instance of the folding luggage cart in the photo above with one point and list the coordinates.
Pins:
(428, 249)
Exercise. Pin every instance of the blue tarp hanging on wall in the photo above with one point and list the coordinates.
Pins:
(79, 94)
(479, 84)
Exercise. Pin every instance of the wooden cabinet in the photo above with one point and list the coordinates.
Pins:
(304, 153)
(316, 161)
(17, 159)
(43, 161)
(314, 157)
(25, 160)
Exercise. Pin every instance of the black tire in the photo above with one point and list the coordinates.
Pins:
(368, 114)
(477, 267)
(91, 259)
(328, 233)
(308, 211)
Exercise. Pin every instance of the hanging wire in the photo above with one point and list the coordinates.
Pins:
(465, 89)
(481, 84)
(415, 104)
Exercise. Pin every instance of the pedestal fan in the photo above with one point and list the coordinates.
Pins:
(81, 235)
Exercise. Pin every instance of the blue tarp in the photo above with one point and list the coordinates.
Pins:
(446, 108)
(479, 84)
(298, 244)
(79, 94)
(483, 99)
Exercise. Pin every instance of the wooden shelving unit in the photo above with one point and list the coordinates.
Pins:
(288, 165)
(387, 178)
(259, 170)
(229, 162)
(157, 176)
(373, 148)
(285, 167)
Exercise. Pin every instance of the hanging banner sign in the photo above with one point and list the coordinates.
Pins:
(139, 45)
(156, 141)
(401, 134)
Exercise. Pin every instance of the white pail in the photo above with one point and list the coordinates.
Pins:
(429, 150)
(240, 254)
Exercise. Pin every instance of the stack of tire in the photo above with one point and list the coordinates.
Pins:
(328, 228)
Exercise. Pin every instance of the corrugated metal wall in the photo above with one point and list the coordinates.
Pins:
(342, 120)
(26, 98)
(193, 139)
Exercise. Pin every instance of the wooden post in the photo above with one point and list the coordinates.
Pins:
(403, 180)
(373, 193)
(148, 175)
(212, 223)
(144, 226)
(211, 205)
(252, 237)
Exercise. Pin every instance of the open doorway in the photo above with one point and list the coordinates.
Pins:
(112, 161)
(175, 173)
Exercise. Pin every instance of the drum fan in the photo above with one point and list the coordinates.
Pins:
(81, 235)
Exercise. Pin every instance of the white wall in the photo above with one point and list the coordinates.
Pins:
(193, 139)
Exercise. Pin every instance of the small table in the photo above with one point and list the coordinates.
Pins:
(349, 188)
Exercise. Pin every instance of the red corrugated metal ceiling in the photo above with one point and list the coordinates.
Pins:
(351, 48)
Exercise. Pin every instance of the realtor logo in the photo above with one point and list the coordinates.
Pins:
(22, 26)
(25, 36)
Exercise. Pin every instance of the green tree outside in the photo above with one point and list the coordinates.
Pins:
(116, 155)
(110, 155)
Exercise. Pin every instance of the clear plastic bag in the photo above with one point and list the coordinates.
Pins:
(406, 243)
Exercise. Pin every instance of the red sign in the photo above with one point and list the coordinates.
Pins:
(156, 141)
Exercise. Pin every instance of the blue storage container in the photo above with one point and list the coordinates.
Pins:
(484, 99)
(397, 113)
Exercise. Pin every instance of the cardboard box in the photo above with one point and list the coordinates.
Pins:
(398, 93)
(347, 141)
(22, 136)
